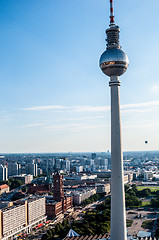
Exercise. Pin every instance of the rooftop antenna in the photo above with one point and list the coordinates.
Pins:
(111, 13)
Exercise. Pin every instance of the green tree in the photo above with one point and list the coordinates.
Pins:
(144, 193)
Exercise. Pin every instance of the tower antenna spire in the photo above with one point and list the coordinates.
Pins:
(111, 13)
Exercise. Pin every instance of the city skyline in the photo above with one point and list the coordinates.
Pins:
(52, 91)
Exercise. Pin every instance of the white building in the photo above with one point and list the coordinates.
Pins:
(25, 178)
(31, 168)
(148, 175)
(103, 188)
(79, 169)
(80, 196)
(21, 216)
(3, 173)
(65, 165)
(36, 209)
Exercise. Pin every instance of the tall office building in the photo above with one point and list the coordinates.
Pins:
(65, 165)
(57, 165)
(31, 168)
(104, 163)
(14, 168)
(89, 162)
(113, 63)
(3, 173)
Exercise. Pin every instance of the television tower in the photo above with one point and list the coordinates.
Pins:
(114, 62)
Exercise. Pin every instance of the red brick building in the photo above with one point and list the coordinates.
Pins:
(53, 209)
(58, 192)
(39, 189)
(59, 203)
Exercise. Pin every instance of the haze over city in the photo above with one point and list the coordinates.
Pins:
(54, 97)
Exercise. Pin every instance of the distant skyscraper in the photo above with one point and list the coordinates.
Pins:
(57, 165)
(104, 163)
(31, 168)
(113, 63)
(65, 165)
(3, 173)
(89, 162)
(14, 168)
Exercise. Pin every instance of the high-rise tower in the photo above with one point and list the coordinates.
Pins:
(113, 63)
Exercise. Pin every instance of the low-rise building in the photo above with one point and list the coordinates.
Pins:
(128, 178)
(54, 208)
(80, 177)
(80, 196)
(103, 188)
(4, 188)
(5, 204)
(148, 175)
(25, 178)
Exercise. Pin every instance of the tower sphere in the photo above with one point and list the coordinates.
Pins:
(113, 62)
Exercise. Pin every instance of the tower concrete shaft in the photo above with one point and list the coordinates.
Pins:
(118, 217)
(114, 62)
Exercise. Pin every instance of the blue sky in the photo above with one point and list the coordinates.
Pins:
(53, 96)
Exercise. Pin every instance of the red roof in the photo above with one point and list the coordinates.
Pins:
(4, 186)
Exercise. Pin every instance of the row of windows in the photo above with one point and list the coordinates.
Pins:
(113, 62)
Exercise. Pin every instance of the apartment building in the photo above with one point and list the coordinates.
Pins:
(14, 219)
(36, 209)
(80, 196)
(103, 188)
(25, 178)
(21, 216)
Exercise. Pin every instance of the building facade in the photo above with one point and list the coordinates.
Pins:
(14, 168)
(59, 203)
(21, 216)
(80, 196)
(3, 173)
(31, 168)
(25, 178)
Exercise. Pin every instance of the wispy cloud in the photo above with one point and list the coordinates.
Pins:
(69, 108)
(81, 118)
(140, 105)
(87, 108)
(155, 89)
(73, 127)
(126, 111)
(5, 117)
(143, 125)
(35, 125)
(43, 108)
